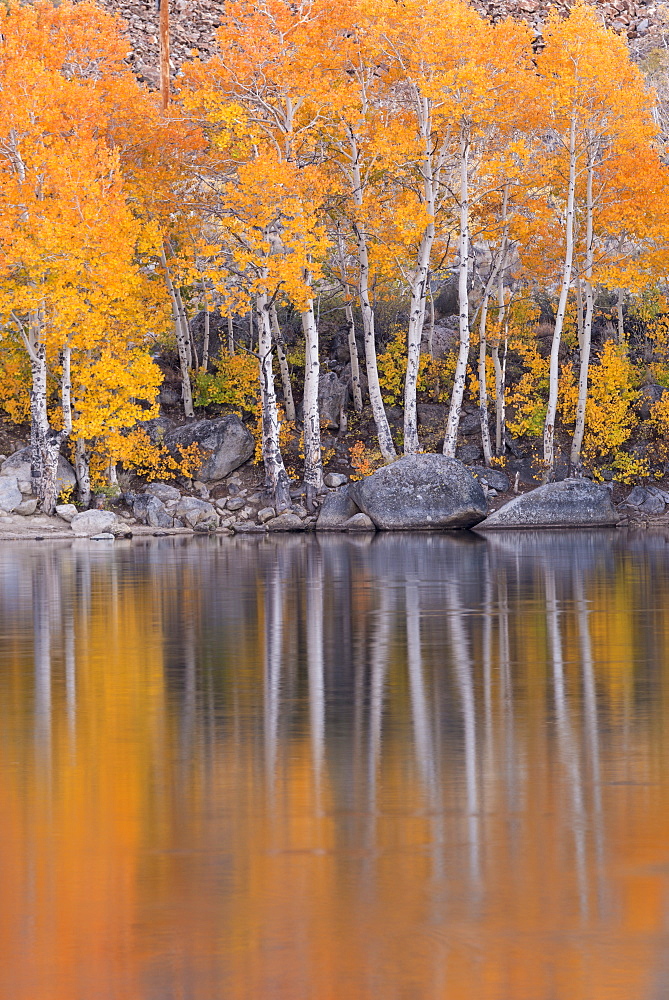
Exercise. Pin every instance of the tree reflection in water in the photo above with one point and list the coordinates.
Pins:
(420, 766)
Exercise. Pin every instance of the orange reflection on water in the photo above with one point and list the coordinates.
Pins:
(425, 768)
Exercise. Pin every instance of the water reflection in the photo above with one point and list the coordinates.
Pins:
(400, 767)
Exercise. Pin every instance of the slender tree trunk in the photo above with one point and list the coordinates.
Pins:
(45, 442)
(350, 324)
(549, 426)
(373, 387)
(82, 471)
(579, 312)
(183, 345)
(313, 467)
(502, 324)
(207, 329)
(353, 353)
(416, 322)
(164, 33)
(621, 321)
(419, 283)
(251, 330)
(579, 428)
(451, 438)
(231, 336)
(430, 328)
(288, 401)
(275, 470)
(483, 384)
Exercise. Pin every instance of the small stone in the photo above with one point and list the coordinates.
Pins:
(27, 507)
(10, 494)
(66, 510)
(221, 504)
(335, 479)
(238, 503)
(201, 489)
(266, 514)
(104, 536)
(194, 511)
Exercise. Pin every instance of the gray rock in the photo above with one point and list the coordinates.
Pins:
(27, 507)
(470, 423)
(66, 510)
(337, 508)
(285, 522)
(359, 522)
(157, 429)
(169, 396)
(151, 510)
(571, 503)
(469, 453)
(638, 496)
(163, 491)
(10, 494)
(226, 443)
(494, 478)
(421, 491)
(92, 522)
(266, 514)
(18, 464)
(332, 393)
(195, 512)
(335, 479)
(236, 503)
(25, 486)
(650, 394)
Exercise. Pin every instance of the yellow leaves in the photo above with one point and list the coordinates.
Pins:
(234, 383)
(137, 452)
(609, 412)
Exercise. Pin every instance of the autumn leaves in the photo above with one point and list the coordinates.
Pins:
(328, 145)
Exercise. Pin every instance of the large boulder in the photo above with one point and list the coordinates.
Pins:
(10, 494)
(18, 465)
(151, 510)
(226, 444)
(571, 503)
(421, 491)
(338, 507)
(196, 512)
(92, 522)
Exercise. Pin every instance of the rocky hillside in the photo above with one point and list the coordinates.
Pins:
(193, 24)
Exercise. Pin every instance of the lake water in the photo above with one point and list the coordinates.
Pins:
(400, 768)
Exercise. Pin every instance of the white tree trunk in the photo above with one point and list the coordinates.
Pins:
(313, 467)
(288, 401)
(231, 336)
(430, 328)
(621, 320)
(586, 339)
(419, 281)
(549, 426)
(483, 382)
(373, 387)
(82, 471)
(355, 365)
(451, 438)
(205, 339)
(416, 322)
(275, 470)
(182, 337)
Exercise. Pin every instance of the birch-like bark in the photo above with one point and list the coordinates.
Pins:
(621, 320)
(483, 385)
(353, 354)
(579, 312)
(185, 326)
(231, 336)
(373, 387)
(313, 466)
(419, 281)
(350, 326)
(207, 329)
(549, 426)
(275, 471)
(82, 472)
(586, 339)
(288, 401)
(182, 336)
(451, 437)
(502, 324)
(430, 326)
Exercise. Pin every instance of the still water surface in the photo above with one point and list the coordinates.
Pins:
(335, 769)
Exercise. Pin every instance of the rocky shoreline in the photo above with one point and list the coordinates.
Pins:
(426, 492)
